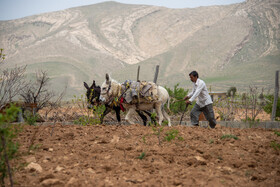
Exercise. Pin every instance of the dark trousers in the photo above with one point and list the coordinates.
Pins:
(208, 113)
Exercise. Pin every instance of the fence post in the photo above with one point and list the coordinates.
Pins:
(276, 91)
(138, 72)
(156, 74)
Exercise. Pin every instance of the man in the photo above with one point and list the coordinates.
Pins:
(204, 102)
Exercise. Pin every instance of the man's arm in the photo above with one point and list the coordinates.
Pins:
(190, 94)
(197, 92)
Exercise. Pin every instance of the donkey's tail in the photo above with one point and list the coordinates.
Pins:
(168, 104)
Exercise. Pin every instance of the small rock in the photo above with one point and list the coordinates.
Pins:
(228, 168)
(48, 176)
(115, 139)
(58, 168)
(199, 158)
(177, 182)
(90, 170)
(47, 157)
(30, 159)
(51, 149)
(71, 181)
(200, 151)
(34, 167)
(51, 182)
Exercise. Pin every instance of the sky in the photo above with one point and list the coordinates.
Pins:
(14, 9)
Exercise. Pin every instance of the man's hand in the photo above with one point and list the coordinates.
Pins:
(188, 102)
(187, 97)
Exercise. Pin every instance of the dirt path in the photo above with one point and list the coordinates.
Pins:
(109, 156)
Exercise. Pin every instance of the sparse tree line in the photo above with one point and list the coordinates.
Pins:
(245, 106)
(36, 95)
(33, 95)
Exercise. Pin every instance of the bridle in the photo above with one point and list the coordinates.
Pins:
(92, 97)
(107, 93)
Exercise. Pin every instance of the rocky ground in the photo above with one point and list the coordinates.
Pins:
(134, 155)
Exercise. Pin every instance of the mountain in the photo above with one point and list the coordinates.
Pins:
(233, 45)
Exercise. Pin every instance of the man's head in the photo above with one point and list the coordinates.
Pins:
(193, 76)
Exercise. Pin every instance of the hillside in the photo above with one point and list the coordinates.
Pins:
(234, 45)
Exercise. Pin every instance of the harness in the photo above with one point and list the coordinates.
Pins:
(107, 92)
(118, 100)
(112, 101)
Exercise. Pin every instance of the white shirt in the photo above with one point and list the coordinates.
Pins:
(200, 92)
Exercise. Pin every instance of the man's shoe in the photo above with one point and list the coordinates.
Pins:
(212, 126)
(195, 125)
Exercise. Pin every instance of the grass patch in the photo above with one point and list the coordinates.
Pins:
(142, 156)
(228, 136)
(172, 134)
(277, 133)
(275, 145)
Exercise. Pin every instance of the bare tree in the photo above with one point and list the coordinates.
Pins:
(11, 83)
(37, 92)
(245, 107)
(252, 103)
(55, 106)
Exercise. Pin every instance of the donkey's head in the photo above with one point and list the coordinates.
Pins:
(109, 89)
(93, 94)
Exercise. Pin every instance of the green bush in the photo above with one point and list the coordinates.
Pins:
(228, 136)
(142, 156)
(277, 133)
(231, 91)
(8, 147)
(177, 95)
(153, 121)
(268, 106)
(87, 118)
(275, 145)
(30, 118)
(172, 134)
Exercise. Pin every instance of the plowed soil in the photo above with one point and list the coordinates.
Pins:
(134, 155)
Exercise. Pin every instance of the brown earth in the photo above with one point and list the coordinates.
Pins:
(108, 155)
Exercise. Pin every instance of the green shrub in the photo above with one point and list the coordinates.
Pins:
(277, 133)
(30, 118)
(142, 156)
(231, 91)
(153, 121)
(8, 147)
(275, 145)
(172, 134)
(229, 136)
(177, 95)
(269, 103)
(87, 119)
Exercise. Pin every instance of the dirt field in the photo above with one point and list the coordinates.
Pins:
(111, 156)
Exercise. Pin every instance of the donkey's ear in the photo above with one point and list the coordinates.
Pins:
(107, 77)
(86, 85)
(93, 84)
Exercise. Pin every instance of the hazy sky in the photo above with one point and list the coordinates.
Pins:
(13, 9)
